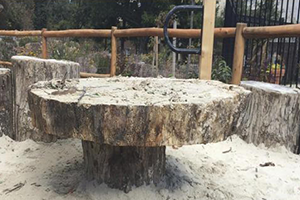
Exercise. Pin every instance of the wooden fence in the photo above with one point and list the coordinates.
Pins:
(240, 33)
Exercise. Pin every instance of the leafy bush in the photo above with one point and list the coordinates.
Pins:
(25, 40)
(7, 48)
(147, 58)
(102, 64)
(221, 71)
(65, 50)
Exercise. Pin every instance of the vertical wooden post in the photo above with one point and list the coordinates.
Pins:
(156, 51)
(190, 40)
(113, 62)
(238, 57)
(174, 54)
(44, 45)
(206, 58)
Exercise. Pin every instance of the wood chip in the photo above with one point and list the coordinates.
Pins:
(267, 164)
(228, 150)
(15, 188)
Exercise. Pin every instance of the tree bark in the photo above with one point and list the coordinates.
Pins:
(125, 123)
(27, 71)
(6, 122)
(138, 111)
(124, 167)
(272, 116)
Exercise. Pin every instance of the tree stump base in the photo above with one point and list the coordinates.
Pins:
(6, 121)
(123, 167)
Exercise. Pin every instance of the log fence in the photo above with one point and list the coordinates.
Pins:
(241, 33)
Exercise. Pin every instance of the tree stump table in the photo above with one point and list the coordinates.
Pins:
(125, 124)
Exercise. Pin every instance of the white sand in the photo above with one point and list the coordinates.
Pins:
(55, 171)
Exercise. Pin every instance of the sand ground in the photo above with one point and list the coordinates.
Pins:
(226, 170)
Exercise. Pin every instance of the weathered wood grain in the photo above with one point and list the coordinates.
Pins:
(272, 116)
(138, 111)
(6, 122)
(124, 167)
(27, 71)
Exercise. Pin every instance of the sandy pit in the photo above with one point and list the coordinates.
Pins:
(226, 170)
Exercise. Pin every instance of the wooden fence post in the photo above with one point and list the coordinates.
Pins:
(156, 51)
(238, 57)
(113, 62)
(206, 58)
(44, 45)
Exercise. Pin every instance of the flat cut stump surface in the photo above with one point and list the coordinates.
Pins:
(137, 111)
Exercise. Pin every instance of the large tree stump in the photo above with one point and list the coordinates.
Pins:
(27, 71)
(272, 116)
(125, 123)
(6, 122)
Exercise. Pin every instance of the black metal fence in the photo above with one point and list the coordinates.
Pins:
(270, 60)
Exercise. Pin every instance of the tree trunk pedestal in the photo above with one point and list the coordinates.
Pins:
(123, 167)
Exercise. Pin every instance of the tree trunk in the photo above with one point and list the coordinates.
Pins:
(272, 116)
(27, 71)
(124, 167)
(6, 122)
(138, 111)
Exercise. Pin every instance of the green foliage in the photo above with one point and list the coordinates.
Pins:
(147, 58)
(7, 48)
(65, 50)
(17, 14)
(221, 71)
(164, 56)
(102, 64)
(25, 40)
(65, 14)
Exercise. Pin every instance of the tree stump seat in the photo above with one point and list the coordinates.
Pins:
(25, 72)
(6, 88)
(125, 124)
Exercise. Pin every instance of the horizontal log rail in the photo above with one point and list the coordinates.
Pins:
(91, 75)
(5, 63)
(178, 33)
(272, 31)
(20, 33)
(119, 33)
(249, 32)
(106, 33)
